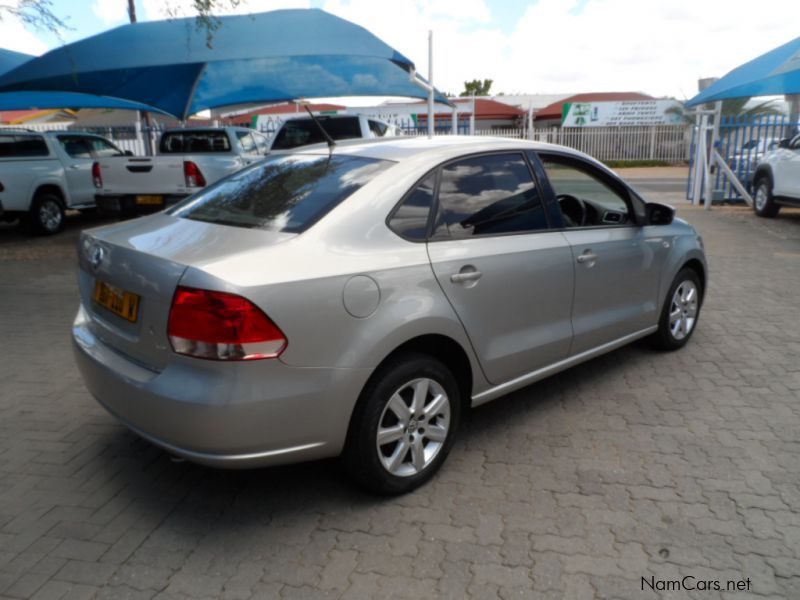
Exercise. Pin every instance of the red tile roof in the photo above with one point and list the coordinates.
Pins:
(484, 109)
(554, 110)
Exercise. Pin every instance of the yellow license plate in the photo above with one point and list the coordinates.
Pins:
(149, 200)
(121, 303)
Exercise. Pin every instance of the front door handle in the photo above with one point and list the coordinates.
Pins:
(466, 275)
(588, 258)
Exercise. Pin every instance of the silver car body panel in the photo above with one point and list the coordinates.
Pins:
(347, 293)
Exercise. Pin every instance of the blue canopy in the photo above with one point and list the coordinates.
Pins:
(774, 73)
(41, 100)
(266, 57)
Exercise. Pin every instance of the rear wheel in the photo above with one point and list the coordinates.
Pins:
(681, 311)
(763, 202)
(404, 425)
(46, 215)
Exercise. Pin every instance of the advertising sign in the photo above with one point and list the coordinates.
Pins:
(622, 113)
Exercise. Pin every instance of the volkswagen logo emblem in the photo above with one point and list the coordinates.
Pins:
(96, 255)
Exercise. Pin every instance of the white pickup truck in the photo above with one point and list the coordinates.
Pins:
(44, 173)
(188, 159)
(303, 131)
(777, 179)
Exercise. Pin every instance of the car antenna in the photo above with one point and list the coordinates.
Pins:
(328, 138)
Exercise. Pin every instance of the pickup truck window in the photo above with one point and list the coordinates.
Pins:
(101, 148)
(247, 142)
(19, 146)
(300, 132)
(194, 142)
(285, 193)
(75, 147)
(262, 143)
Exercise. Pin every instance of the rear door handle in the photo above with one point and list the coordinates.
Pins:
(587, 257)
(465, 276)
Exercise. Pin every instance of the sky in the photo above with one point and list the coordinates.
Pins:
(660, 47)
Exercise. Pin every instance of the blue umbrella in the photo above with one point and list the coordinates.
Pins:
(41, 100)
(265, 57)
(771, 74)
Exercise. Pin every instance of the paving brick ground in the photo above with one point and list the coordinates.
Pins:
(636, 464)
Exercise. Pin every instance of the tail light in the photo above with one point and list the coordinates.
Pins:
(97, 175)
(193, 174)
(221, 326)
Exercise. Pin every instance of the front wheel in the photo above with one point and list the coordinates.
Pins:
(681, 311)
(404, 425)
(763, 202)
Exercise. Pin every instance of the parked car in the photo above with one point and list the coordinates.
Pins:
(358, 303)
(44, 173)
(188, 160)
(777, 179)
(744, 161)
(303, 131)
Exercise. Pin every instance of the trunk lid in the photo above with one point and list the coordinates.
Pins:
(147, 257)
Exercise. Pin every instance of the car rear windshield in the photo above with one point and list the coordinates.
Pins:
(282, 193)
(301, 132)
(194, 142)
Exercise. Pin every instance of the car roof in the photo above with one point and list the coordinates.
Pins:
(444, 146)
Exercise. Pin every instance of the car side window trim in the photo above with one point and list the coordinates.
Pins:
(436, 171)
(625, 193)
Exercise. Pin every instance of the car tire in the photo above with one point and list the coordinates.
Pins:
(680, 312)
(409, 454)
(763, 203)
(46, 215)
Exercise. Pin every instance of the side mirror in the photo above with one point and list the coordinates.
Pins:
(128, 153)
(658, 214)
(784, 143)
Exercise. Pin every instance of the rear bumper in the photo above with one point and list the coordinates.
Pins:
(125, 205)
(230, 415)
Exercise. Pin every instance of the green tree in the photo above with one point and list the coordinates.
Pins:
(476, 87)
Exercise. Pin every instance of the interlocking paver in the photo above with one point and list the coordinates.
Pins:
(633, 465)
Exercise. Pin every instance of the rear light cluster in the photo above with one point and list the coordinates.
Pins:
(221, 326)
(97, 175)
(193, 175)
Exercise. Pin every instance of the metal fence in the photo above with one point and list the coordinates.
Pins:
(669, 143)
(743, 141)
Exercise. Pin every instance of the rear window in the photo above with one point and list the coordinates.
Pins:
(301, 132)
(284, 193)
(194, 142)
(17, 146)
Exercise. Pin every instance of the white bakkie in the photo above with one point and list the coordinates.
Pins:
(777, 179)
(43, 174)
(188, 160)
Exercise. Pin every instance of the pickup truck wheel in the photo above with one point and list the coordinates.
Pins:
(763, 203)
(46, 215)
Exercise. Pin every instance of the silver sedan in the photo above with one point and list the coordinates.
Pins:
(357, 302)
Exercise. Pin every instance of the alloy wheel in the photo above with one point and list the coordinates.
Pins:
(50, 215)
(413, 427)
(683, 310)
(761, 196)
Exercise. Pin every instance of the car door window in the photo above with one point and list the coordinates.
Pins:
(488, 195)
(8, 146)
(377, 128)
(410, 218)
(246, 141)
(75, 147)
(584, 197)
(31, 145)
(262, 144)
(103, 148)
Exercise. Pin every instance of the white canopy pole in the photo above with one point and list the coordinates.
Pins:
(454, 127)
(472, 117)
(431, 115)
